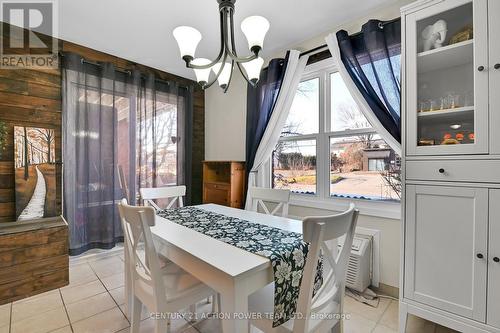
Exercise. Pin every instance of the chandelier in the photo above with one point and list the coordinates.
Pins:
(254, 28)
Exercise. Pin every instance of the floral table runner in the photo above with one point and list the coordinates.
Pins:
(286, 250)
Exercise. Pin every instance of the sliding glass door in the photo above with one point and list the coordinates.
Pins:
(122, 131)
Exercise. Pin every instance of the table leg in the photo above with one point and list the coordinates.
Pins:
(234, 311)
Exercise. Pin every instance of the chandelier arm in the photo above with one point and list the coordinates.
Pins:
(208, 85)
(243, 73)
(232, 51)
(230, 77)
(238, 63)
(221, 52)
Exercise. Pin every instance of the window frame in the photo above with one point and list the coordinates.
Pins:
(322, 198)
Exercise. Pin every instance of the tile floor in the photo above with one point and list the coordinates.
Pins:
(94, 302)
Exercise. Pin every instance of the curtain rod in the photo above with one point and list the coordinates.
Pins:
(324, 46)
(124, 71)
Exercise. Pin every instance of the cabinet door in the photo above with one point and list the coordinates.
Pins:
(494, 69)
(447, 82)
(494, 258)
(217, 194)
(446, 234)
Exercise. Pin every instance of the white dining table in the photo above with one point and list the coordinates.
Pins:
(232, 272)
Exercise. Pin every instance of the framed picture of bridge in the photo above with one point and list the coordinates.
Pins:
(35, 172)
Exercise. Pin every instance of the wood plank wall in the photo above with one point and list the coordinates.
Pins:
(28, 97)
(33, 258)
(31, 97)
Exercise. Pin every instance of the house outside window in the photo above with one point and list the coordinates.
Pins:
(328, 149)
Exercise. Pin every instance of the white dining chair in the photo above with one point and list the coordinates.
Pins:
(322, 312)
(175, 193)
(259, 196)
(163, 290)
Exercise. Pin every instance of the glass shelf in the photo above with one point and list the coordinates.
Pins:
(445, 57)
(446, 113)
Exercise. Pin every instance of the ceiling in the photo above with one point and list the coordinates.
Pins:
(141, 30)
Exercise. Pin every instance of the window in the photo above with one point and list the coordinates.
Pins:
(294, 164)
(376, 164)
(303, 118)
(294, 158)
(328, 148)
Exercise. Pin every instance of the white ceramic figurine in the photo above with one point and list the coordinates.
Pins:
(434, 35)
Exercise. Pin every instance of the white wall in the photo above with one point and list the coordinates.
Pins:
(225, 120)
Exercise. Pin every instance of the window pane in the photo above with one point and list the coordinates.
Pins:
(364, 167)
(294, 166)
(376, 164)
(304, 113)
(345, 112)
(157, 145)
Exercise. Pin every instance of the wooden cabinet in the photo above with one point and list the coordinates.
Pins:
(451, 166)
(224, 183)
(446, 230)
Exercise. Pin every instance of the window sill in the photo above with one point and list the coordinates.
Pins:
(391, 210)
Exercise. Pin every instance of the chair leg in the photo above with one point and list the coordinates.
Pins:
(338, 328)
(136, 309)
(162, 325)
(215, 304)
(192, 314)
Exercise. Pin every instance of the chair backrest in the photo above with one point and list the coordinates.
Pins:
(259, 196)
(322, 233)
(144, 267)
(123, 183)
(172, 192)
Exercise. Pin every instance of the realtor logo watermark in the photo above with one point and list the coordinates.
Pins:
(28, 34)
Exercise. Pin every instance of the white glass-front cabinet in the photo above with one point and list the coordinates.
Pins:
(447, 82)
(451, 164)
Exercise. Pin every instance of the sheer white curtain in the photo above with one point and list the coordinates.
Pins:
(295, 68)
(331, 41)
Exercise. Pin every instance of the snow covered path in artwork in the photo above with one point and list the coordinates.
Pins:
(36, 205)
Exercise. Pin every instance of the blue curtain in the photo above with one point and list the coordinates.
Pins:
(260, 105)
(373, 60)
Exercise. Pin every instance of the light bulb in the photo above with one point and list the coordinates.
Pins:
(225, 75)
(187, 39)
(253, 69)
(202, 75)
(255, 29)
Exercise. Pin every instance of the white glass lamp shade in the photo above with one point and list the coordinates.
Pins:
(253, 69)
(255, 29)
(202, 75)
(187, 38)
(225, 75)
